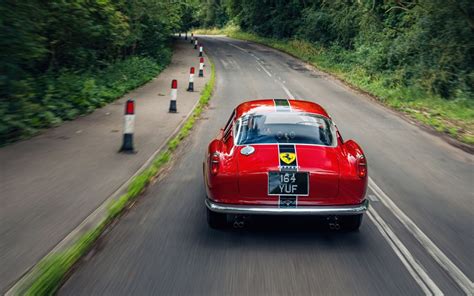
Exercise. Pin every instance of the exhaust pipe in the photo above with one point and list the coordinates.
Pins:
(333, 223)
(239, 222)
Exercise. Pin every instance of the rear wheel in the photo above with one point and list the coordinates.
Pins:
(351, 222)
(216, 220)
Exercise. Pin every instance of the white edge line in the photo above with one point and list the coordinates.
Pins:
(459, 277)
(414, 268)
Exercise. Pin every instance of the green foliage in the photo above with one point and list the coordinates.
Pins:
(454, 117)
(417, 56)
(426, 43)
(56, 96)
(211, 13)
(60, 59)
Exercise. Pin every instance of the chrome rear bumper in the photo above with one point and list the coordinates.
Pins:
(275, 210)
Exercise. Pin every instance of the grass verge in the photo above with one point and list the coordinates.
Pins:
(53, 269)
(452, 117)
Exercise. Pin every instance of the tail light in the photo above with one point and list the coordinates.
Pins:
(362, 167)
(214, 163)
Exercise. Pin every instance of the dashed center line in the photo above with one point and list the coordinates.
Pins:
(287, 91)
(264, 69)
(238, 47)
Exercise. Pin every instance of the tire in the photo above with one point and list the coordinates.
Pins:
(352, 222)
(216, 220)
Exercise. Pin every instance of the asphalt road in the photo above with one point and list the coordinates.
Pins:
(417, 238)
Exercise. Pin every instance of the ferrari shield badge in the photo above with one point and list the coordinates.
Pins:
(287, 157)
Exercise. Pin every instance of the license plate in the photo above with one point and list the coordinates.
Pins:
(288, 183)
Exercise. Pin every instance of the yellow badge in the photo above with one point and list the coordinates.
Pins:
(287, 157)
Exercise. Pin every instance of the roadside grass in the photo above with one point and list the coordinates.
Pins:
(53, 269)
(452, 117)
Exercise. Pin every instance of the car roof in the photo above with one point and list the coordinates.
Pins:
(271, 105)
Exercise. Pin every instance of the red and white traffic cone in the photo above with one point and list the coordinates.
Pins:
(200, 51)
(128, 127)
(186, 36)
(195, 43)
(174, 96)
(191, 80)
(201, 67)
(192, 38)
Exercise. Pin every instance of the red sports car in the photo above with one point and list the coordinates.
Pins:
(284, 157)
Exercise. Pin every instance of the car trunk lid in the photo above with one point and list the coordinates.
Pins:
(320, 162)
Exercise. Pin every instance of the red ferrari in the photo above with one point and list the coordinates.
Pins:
(284, 157)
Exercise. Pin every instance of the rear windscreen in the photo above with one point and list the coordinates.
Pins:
(285, 127)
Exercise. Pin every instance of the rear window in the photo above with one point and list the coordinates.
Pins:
(284, 127)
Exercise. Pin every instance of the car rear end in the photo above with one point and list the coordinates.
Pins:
(294, 164)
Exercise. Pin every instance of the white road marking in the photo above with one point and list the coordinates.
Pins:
(238, 47)
(287, 91)
(266, 71)
(458, 276)
(411, 264)
(224, 63)
(257, 58)
(373, 197)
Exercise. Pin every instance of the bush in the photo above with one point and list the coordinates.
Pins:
(54, 97)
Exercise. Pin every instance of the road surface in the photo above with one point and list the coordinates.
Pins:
(417, 238)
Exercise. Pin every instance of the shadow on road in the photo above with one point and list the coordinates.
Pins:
(294, 231)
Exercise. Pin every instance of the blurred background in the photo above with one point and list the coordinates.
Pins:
(60, 59)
